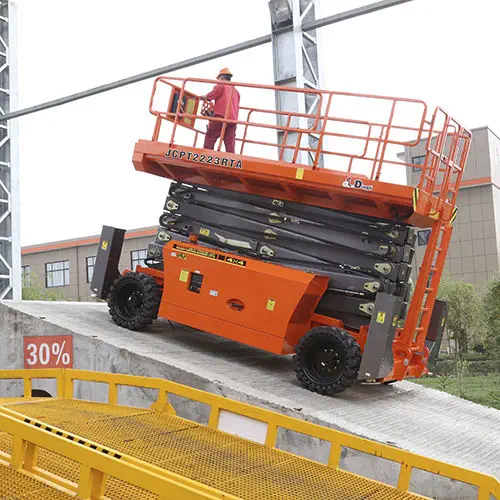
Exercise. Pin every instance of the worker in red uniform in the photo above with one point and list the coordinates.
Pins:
(223, 95)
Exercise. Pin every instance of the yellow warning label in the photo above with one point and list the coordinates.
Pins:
(394, 320)
(205, 232)
(270, 304)
(184, 275)
(381, 317)
(104, 245)
(299, 174)
(443, 321)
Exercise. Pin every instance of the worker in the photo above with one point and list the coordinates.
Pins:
(223, 94)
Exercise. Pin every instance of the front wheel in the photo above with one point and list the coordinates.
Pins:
(327, 360)
(134, 300)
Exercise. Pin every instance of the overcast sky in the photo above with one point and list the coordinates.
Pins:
(75, 160)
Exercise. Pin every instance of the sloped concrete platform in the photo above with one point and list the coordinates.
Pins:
(406, 415)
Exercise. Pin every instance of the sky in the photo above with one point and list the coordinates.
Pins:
(75, 160)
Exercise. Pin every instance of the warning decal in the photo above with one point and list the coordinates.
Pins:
(212, 255)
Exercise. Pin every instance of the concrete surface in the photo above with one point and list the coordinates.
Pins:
(406, 415)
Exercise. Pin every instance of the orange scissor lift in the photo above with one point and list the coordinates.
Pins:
(327, 161)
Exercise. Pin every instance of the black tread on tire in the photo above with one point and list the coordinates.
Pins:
(134, 300)
(327, 360)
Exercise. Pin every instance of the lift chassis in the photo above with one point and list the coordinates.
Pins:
(293, 258)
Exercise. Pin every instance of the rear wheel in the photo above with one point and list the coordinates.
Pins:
(134, 300)
(327, 360)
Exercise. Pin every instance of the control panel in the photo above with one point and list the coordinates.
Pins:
(195, 282)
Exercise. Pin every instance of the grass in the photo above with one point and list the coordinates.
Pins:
(481, 389)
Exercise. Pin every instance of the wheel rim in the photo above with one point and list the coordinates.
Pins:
(324, 362)
(129, 301)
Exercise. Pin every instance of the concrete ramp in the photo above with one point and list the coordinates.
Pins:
(406, 415)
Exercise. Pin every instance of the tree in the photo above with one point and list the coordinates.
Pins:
(464, 313)
(491, 315)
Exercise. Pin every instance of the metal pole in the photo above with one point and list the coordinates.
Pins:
(336, 18)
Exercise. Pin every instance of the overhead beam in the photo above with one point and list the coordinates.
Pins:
(249, 44)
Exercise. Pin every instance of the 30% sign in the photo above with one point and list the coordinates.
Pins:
(53, 351)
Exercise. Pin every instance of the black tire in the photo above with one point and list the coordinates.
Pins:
(134, 300)
(327, 360)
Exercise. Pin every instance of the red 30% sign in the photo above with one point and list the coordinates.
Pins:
(54, 351)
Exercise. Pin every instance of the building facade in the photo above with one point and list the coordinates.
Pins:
(64, 269)
(474, 252)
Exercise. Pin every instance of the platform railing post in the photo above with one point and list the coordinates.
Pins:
(92, 483)
(17, 454)
(404, 477)
(334, 456)
(31, 456)
(271, 435)
(27, 387)
(112, 393)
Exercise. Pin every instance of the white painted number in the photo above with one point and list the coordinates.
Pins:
(44, 354)
(32, 360)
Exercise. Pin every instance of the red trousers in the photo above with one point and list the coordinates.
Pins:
(213, 133)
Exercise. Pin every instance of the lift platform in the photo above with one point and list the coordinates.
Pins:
(360, 153)
(61, 447)
(333, 178)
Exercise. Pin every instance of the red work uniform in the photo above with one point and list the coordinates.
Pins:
(222, 95)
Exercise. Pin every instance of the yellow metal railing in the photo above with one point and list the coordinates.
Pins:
(486, 485)
(96, 463)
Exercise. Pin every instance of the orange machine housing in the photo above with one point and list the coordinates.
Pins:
(261, 304)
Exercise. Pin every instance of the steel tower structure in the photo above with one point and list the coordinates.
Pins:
(10, 248)
(296, 57)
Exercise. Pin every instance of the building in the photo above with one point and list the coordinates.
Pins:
(66, 267)
(474, 252)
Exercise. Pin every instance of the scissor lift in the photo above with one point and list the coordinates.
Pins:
(62, 447)
(265, 247)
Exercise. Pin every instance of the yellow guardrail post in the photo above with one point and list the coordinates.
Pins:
(92, 483)
(162, 403)
(112, 393)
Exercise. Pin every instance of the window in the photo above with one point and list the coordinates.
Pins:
(423, 237)
(138, 257)
(418, 160)
(90, 268)
(26, 276)
(57, 274)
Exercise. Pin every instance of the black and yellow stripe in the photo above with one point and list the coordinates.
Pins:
(454, 215)
(415, 199)
(71, 437)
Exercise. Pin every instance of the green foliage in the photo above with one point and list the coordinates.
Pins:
(464, 316)
(491, 316)
(482, 389)
(443, 382)
(38, 293)
(480, 367)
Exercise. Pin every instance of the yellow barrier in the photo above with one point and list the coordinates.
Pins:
(95, 462)
(486, 485)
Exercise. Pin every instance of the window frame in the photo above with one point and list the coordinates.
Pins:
(87, 267)
(140, 260)
(419, 157)
(63, 270)
(25, 276)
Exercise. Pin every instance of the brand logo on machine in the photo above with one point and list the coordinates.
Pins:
(218, 161)
(351, 183)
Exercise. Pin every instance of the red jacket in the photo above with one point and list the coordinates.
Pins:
(221, 94)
